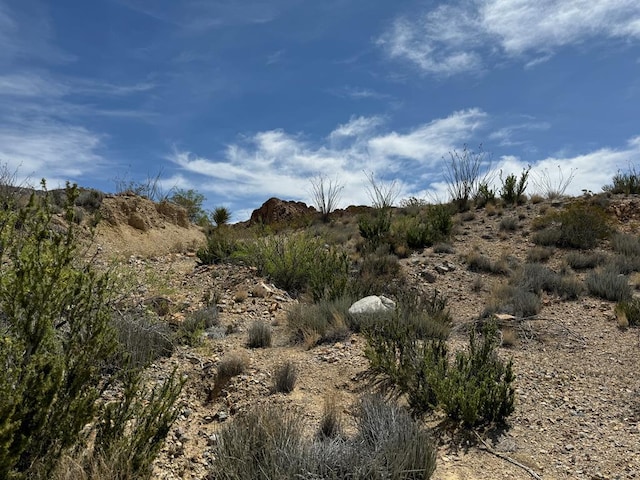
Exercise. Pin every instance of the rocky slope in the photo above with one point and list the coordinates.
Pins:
(578, 388)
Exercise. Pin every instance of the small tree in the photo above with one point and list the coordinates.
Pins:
(191, 201)
(326, 194)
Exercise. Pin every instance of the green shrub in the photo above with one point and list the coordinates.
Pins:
(513, 188)
(478, 388)
(300, 263)
(537, 278)
(609, 285)
(375, 227)
(285, 377)
(579, 225)
(90, 199)
(485, 195)
(627, 183)
(220, 216)
(191, 329)
(191, 201)
(583, 261)
(56, 345)
(433, 224)
(378, 273)
(223, 245)
(259, 335)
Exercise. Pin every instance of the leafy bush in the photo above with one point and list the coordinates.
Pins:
(609, 285)
(377, 273)
(627, 183)
(191, 329)
(432, 225)
(579, 225)
(90, 199)
(191, 201)
(55, 344)
(300, 263)
(375, 227)
(485, 195)
(285, 377)
(475, 389)
(259, 335)
(479, 387)
(222, 246)
(513, 188)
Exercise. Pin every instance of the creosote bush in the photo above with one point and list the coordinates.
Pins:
(477, 388)
(299, 263)
(580, 225)
(58, 350)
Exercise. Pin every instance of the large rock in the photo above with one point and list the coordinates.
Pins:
(372, 304)
(275, 210)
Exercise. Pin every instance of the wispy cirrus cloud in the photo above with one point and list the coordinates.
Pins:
(458, 38)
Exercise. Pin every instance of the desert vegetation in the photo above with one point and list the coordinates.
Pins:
(254, 350)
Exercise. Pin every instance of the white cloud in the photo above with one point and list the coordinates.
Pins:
(356, 127)
(429, 142)
(452, 39)
(275, 163)
(50, 150)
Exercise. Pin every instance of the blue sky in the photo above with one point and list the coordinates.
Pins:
(244, 100)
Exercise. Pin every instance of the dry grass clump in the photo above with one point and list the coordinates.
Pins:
(284, 377)
(537, 278)
(509, 224)
(512, 300)
(232, 364)
(609, 285)
(585, 260)
(626, 244)
(259, 335)
(327, 321)
(539, 254)
(477, 262)
(331, 420)
(270, 444)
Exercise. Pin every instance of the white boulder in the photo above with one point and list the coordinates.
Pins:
(372, 304)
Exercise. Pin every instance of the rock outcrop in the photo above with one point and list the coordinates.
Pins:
(275, 210)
